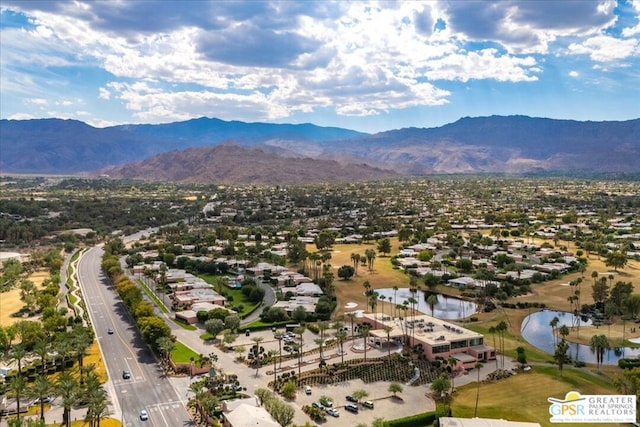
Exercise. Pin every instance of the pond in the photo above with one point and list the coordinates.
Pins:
(447, 308)
(537, 331)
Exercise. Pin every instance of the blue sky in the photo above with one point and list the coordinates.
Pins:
(368, 66)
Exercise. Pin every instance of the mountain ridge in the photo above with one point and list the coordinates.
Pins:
(490, 144)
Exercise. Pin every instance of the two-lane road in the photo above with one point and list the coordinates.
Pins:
(147, 389)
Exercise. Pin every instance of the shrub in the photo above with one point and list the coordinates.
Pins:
(629, 363)
(418, 420)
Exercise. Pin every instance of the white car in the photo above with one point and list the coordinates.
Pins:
(307, 390)
(333, 412)
(144, 415)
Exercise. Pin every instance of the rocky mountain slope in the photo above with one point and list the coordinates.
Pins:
(496, 144)
(232, 163)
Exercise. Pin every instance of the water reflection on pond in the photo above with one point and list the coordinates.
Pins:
(448, 308)
(536, 329)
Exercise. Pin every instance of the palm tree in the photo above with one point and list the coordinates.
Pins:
(373, 302)
(355, 258)
(560, 354)
(364, 334)
(453, 362)
(256, 349)
(440, 387)
(41, 387)
(322, 326)
(18, 353)
(165, 345)
(82, 340)
(388, 330)
(199, 392)
(492, 331)
(341, 336)
(395, 308)
(475, 412)
(367, 287)
(382, 298)
(432, 300)
(502, 328)
(63, 348)
(553, 323)
(96, 397)
(371, 255)
(41, 349)
(279, 336)
(351, 317)
(299, 331)
(67, 388)
(599, 344)
(17, 388)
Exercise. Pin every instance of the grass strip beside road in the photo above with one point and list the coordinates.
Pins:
(153, 296)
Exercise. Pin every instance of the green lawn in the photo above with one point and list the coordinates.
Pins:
(183, 354)
(523, 397)
(236, 294)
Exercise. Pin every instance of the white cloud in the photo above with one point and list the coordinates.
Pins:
(38, 101)
(104, 93)
(485, 64)
(635, 30)
(606, 49)
(22, 116)
(354, 58)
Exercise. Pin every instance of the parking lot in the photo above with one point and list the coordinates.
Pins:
(385, 406)
(412, 399)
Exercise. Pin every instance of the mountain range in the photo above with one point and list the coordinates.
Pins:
(213, 150)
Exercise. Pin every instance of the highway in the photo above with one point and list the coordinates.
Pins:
(148, 388)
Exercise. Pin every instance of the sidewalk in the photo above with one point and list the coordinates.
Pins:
(53, 415)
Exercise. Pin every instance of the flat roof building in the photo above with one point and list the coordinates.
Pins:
(438, 338)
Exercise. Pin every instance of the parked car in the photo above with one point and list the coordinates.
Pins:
(367, 404)
(351, 398)
(247, 333)
(316, 405)
(144, 416)
(326, 402)
(333, 412)
(307, 390)
(45, 399)
(351, 408)
(126, 374)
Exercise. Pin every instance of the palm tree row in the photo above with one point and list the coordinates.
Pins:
(70, 390)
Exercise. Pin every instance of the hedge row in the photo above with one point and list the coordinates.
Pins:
(425, 419)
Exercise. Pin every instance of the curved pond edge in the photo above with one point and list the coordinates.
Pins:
(536, 330)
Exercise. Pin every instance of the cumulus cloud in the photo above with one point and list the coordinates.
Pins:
(171, 60)
(104, 93)
(527, 26)
(480, 65)
(38, 101)
(606, 49)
